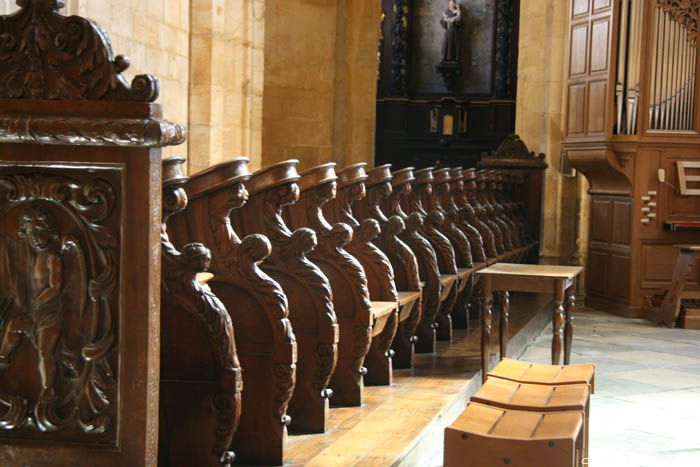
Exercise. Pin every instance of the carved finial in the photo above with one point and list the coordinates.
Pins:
(52, 4)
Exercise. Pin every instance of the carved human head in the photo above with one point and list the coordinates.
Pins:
(197, 256)
(39, 227)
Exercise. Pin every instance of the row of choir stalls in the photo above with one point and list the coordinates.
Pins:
(150, 317)
(446, 80)
(633, 132)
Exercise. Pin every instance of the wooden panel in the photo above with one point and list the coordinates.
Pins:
(600, 5)
(579, 43)
(597, 272)
(597, 94)
(580, 7)
(678, 207)
(618, 269)
(599, 45)
(577, 95)
(658, 262)
(622, 210)
(600, 220)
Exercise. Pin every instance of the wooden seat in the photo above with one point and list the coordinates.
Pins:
(484, 436)
(535, 373)
(668, 308)
(256, 303)
(403, 261)
(307, 289)
(377, 267)
(512, 395)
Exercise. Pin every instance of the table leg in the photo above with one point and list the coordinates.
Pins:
(557, 321)
(485, 326)
(504, 327)
(569, 325)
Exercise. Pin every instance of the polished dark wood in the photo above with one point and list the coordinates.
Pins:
(403, 262)
(200, 375)
(307, 289)
(668, 309)
(80, 215)
(256, 303)
(377, 267)
(424, 253)
(347, 278)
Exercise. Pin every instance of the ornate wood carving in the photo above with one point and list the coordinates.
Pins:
(442, 202)
(61, 247)
(425, 254)
(403, 260)
(377, 267)
(486, 187)
(201, 378)
(506, 45)
(307, 288)
(512, 152)
(462, 213)
(399, 46)
(347, 278)
(476, 214)
(256, 303)
(45, 55)
(684, 12)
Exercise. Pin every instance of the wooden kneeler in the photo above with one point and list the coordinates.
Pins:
(484, 436)
(511, 395)
(535, 373)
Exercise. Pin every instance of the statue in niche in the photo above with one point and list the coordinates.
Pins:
(450, 67)
(451, 21)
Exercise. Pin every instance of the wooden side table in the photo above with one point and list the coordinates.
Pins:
(509, 277)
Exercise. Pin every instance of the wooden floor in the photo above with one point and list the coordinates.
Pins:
(403, 424)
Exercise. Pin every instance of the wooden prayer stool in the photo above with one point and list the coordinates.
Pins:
(508, 277)
(307, 289)
(512, 395)
(417, 202)
(433, 294)
(358, 317)
(484, 436)
(200, 376)
(256, 303)
(552, 375)
(402, 258)
(671, 310)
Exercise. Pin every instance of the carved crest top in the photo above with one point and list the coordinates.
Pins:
(456, 174)
(512, 152)
(47, 56)
(352, 174)
(218, 176)
(273, 176)
(402, 176)
(423, 176)
(172, 171)
(442, 175)
(684, 12)
(378, 175)
(317, 176)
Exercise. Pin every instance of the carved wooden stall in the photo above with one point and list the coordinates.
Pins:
(361, 321)
(436, 289)
(632, 128)
(256, 303)
(307, 288)
(378, 269)
(200, 376)
(431, 229)
(403, 262)
(80, 210)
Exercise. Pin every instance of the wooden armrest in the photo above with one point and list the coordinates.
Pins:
(381, 311)
(447, 281)
(480, 266)
(408, 296)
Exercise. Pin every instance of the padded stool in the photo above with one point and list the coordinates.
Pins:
(488, 437)
(535, 373)
(511, 395)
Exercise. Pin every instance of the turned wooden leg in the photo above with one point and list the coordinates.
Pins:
(505, 325)
(485, 326)
(569, 325)
(557, 321)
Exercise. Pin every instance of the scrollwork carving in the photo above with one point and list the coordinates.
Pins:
(684, 12)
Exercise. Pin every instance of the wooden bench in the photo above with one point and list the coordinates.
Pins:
(307, 289)
(256, 303)
(402, 258)
(513, 395)
(535, 373)
(484, 436)
(200, 376)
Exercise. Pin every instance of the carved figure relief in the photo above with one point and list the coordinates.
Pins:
(58, 302)
(451, 21)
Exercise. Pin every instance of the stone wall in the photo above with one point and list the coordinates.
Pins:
(540, 121)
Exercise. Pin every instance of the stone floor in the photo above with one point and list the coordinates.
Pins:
(646, 409)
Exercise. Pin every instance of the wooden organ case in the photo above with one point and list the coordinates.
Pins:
(632, 130)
